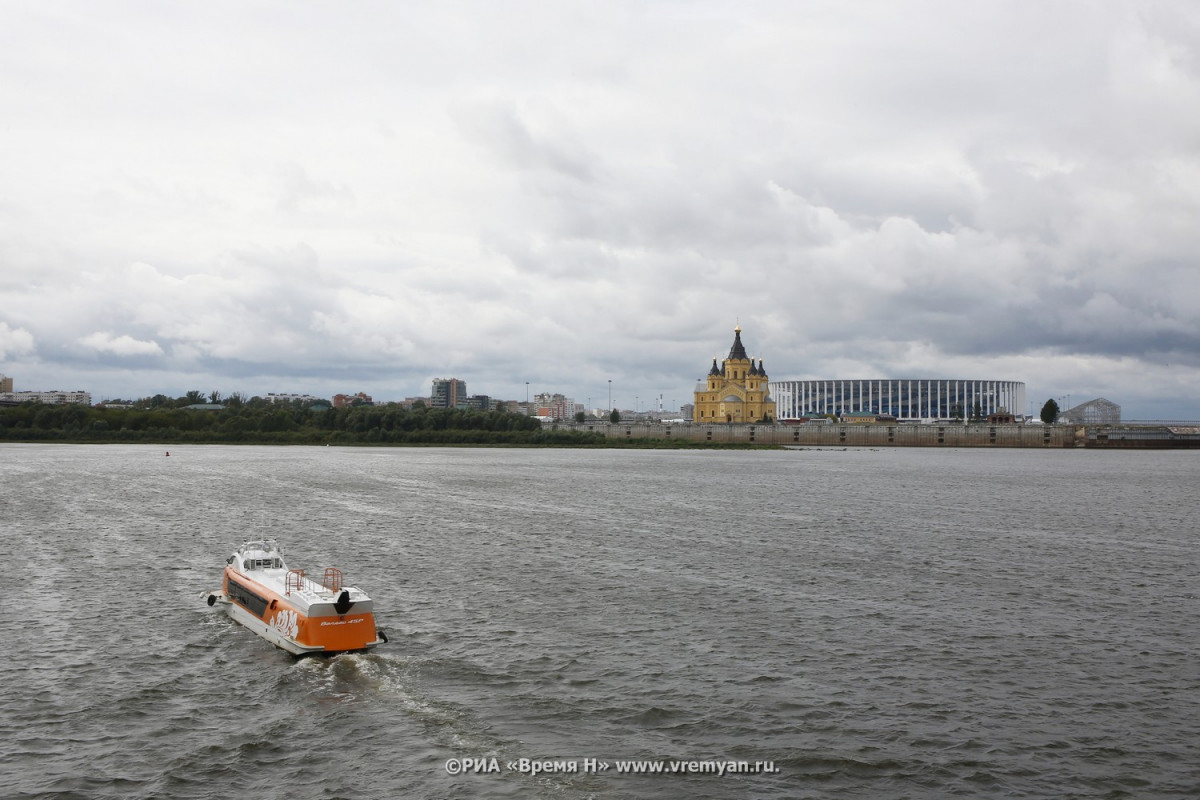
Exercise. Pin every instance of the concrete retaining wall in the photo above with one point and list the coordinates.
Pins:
(848, 435)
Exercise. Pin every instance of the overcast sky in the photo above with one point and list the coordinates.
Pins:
(315, 197)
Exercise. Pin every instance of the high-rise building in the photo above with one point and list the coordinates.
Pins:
(448, 393)
(554, 406)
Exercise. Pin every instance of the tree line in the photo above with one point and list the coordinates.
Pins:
(239, 420)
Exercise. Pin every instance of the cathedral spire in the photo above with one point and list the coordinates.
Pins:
(737, 351)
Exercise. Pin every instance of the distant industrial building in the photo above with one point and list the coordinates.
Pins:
(906, 399)
(1093, 412)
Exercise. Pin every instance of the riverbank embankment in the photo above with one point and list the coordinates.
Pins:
(899, 435)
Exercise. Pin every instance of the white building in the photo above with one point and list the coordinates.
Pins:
(282, 397)
(906, 399)
(51, 398)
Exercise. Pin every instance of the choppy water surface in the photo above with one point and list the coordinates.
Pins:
(871, 623)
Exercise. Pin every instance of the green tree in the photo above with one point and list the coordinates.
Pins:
(614, 417)
(580, 416)
(1050, 412)
(256, 420)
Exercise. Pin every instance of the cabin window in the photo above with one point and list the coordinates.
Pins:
(247, 599)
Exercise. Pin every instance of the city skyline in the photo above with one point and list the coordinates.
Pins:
(643, 405)
(250, 198)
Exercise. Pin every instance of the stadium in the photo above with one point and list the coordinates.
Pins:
(908, 400)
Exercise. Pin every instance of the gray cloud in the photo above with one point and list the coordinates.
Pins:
(233, 197)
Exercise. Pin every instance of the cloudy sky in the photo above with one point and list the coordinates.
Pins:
(315, 197)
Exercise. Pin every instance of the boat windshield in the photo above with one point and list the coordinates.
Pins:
(262, 563)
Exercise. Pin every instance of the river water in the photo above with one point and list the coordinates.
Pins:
(898, 623)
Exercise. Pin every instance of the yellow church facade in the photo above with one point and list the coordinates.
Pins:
(736, 391)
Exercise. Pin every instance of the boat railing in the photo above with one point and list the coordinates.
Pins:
(297, 580)
(332, 580)
(294, 581)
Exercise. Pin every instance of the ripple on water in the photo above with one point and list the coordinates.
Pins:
(878, 624)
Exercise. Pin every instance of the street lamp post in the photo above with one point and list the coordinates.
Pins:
(610, 395)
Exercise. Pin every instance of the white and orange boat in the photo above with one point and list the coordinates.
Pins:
(291, 610)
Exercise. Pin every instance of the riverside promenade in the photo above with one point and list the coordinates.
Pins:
(902, 435)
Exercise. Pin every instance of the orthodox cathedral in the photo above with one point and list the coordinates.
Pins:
(736, 390)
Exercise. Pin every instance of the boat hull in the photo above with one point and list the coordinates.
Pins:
(284, 624)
